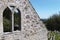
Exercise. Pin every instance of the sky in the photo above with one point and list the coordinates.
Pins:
(46, 8)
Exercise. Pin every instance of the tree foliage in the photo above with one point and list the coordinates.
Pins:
(53, 23)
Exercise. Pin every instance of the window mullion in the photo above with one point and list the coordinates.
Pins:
(12, 20)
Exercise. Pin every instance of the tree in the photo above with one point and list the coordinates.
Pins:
(53, 23)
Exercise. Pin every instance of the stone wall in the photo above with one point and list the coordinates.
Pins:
(17, 35)
(32, 27)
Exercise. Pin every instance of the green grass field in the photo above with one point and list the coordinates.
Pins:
(57, 35)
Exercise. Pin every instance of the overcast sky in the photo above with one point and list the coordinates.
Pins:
(46, 8)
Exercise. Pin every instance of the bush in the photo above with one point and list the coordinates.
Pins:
(53, 23)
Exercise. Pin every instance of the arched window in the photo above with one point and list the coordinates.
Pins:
(17, 19)
(7, 20)
(11, 19)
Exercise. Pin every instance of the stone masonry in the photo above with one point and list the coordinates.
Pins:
(32, 27)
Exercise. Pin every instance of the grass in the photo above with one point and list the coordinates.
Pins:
(57, 35)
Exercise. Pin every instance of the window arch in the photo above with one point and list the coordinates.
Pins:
(7, 22)
(17, 19)
(11, 19)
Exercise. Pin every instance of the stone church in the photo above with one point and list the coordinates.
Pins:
(20, 21)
